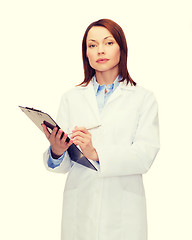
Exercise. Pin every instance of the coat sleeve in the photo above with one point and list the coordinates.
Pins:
(62, 121)
(135, 158)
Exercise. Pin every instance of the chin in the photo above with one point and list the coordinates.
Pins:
(103, 68)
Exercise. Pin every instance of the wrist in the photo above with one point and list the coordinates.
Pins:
(94, 156)
(55, 155)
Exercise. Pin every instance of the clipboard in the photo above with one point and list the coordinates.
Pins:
(38, 117)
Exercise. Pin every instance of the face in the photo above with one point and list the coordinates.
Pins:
(103, 52)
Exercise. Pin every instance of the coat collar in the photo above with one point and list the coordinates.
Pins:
(122, 85)
(89, 93)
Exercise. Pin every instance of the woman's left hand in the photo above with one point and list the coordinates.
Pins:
(82, 137)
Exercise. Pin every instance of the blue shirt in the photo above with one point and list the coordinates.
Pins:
(101, 96)
(102, 93)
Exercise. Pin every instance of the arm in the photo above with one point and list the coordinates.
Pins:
(58, 147)
(58, 144)
(82, 137)
(56, 158)
(136, 158)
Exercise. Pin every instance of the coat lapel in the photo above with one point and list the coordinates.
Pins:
(89, 95)
(119, 91)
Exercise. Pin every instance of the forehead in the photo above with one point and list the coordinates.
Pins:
(98, 33)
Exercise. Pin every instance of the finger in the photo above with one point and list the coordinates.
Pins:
(46, 131)
(63, 139)
(53, 134)
(58, 136)
(81, 129)
(79, 140)
(70, 143)
(52, 138)
(78, 133)
(65, 145)
(75, 129)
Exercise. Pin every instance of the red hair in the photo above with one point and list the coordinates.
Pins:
(119, 36)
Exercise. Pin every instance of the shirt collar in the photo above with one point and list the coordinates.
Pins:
(112, 86)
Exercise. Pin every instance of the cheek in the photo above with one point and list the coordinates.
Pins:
(90, 53)
(90, 57)
(116, 55)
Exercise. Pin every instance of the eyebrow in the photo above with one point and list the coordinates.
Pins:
(103, 39)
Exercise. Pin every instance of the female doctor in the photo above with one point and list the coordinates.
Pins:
(107, 204)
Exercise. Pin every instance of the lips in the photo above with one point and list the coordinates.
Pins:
(102, 60)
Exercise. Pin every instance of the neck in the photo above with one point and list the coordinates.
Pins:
(107, 77)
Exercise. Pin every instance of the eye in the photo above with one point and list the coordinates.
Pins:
(92, 45)
(110, 43)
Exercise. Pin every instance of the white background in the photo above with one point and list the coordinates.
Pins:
(41, 58)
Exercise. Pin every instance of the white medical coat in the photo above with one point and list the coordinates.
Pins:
(109, 204)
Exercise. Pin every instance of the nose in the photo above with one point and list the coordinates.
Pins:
(100, 50)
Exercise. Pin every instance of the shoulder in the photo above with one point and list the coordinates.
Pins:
(137, 90)
(75, 91)
(147, 98)
(140, 97)
(144, 92)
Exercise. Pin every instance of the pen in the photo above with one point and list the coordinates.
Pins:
(87, 129)
(51, 126)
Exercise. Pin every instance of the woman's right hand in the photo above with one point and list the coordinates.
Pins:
(58, 145)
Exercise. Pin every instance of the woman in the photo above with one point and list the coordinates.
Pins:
(107, 204)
